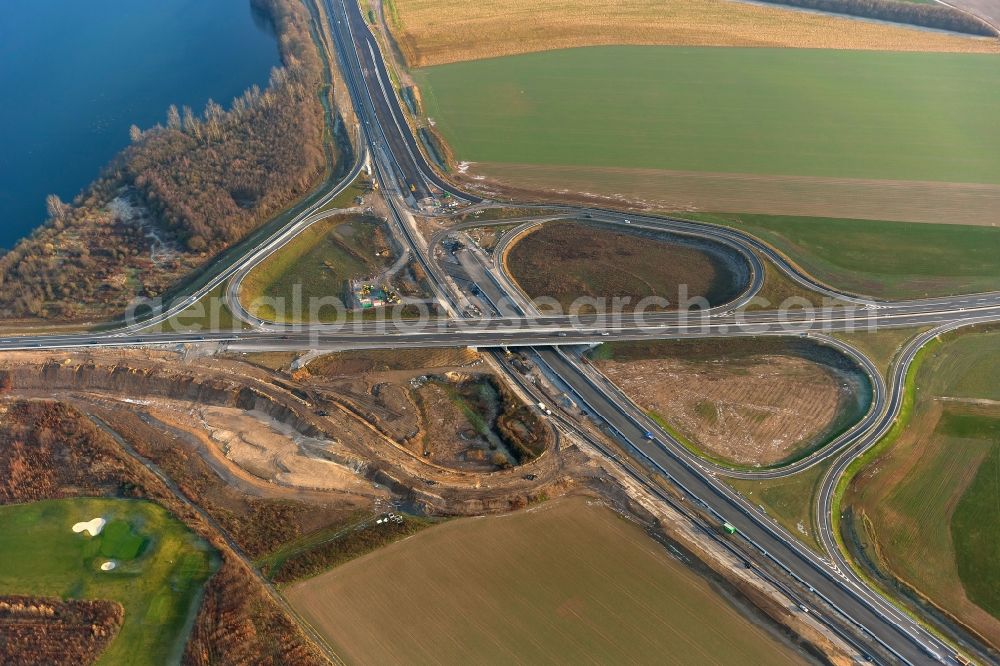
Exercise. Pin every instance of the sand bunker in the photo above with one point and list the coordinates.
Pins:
(109, 565)
(94, 526)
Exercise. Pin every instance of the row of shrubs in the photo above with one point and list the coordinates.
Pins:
(926, 15)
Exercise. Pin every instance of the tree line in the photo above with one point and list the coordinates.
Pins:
(203, 181)
(928, 15)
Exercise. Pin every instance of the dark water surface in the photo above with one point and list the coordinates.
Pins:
(74, 76)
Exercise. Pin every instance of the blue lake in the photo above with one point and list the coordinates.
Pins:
(76, 75)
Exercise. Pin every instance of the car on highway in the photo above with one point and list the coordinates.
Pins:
(648, 435)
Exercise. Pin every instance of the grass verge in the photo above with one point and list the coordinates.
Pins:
(880, 259)
(789, 500)
(319, 263)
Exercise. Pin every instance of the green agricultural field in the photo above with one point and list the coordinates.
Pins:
(564, 583)
(829, 113)
(881, 259)
(318, 263)
(926, 507)
(975, 522)
(161, 567)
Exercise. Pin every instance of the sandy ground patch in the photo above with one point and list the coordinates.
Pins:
(659, 189)
(92, 527)
(752, 413)
(275, 452)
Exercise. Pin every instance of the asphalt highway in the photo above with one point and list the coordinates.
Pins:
(903, 639)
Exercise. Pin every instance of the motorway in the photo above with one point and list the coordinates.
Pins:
(829, 588)
(895, 633)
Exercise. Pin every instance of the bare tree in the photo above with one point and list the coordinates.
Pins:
(55, 206)
(191, 124)
(173, 117)
(214, 115)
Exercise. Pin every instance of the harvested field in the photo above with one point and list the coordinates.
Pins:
(924, 511)
(743, 401)
(567, 582)
(47, 631)
(432, 32)
(584, 267)
(810, 196)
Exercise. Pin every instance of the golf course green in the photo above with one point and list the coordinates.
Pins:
(159, 567)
